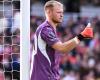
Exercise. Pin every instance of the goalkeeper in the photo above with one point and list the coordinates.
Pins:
(45, 62)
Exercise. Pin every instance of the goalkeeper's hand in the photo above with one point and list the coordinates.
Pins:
(86, 33)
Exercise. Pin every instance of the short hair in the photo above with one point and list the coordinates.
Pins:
(51, 3)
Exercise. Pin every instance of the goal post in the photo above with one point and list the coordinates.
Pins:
(25, 40)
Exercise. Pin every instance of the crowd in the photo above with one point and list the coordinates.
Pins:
(10, 40)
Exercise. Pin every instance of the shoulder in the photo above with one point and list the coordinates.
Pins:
(45, 27)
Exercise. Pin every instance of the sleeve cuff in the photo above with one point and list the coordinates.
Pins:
(76, 40)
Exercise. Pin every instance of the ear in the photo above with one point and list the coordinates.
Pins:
(48, 11)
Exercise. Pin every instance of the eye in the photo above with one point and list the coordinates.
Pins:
(59, 12)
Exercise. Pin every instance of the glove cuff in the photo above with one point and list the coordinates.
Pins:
(80, 37)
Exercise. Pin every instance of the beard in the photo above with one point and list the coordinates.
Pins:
(56, 21)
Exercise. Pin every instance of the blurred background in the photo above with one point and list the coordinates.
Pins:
(9, 39)
(82, 63)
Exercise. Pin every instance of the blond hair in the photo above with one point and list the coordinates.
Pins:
(51, 4)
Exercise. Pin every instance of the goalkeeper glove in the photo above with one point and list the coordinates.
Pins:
(86, 33)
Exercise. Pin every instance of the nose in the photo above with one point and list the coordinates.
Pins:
(61, 15)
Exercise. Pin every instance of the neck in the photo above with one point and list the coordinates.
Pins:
(54, 25)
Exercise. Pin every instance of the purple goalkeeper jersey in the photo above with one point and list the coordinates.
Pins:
(45, 60)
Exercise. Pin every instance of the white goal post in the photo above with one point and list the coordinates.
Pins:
(25, 40)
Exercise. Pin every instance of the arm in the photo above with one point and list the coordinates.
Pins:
(66, 46)
(69, 45)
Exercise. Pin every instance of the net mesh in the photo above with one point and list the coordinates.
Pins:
(9, 40)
